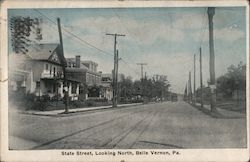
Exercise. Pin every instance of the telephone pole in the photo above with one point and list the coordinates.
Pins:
(211, 12)
(190, 87)
(116, 74)
(115, 71)
(201, 84)
(65, 87)
(142, 64)
(194, 99)
(185, 93)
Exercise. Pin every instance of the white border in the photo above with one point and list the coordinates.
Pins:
(55, 155)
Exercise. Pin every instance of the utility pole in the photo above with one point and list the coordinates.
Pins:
(211, 12)
(187, 98)
(201, 84)
(194, 99)
(142, 64)
(65, 87)
(115, 72)
(190, 88)
(185, 93)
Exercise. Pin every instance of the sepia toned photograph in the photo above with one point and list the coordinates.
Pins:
(147, 78)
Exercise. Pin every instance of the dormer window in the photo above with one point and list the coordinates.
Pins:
(54, 58)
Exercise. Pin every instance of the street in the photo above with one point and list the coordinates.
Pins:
(166, 125)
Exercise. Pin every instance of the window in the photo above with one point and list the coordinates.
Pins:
(54, 71)
(38, 87)
(38, 84)
(46, 66)
(74, 86)
(50, 69)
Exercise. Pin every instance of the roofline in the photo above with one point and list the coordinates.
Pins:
(46, 61)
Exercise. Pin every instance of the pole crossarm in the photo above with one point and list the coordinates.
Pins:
(120, 35)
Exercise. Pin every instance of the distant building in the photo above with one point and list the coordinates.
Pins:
(109, 75)
(107, 80)
(107, 91)
(85, 72)
(40, 72)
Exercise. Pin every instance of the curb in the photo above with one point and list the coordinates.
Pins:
(76, 112)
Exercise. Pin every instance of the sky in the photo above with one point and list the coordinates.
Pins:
(165, 38)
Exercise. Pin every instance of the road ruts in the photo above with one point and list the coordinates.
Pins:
(95, 136)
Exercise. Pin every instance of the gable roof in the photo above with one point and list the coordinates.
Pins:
(41, 51)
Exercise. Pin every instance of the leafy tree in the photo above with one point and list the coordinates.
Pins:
(137, 88)
(94, 91)
(21, 30)
(147, 88)
(126, 88)
(234, 79)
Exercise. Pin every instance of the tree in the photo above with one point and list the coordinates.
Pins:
(126, 88)
(21, 30)
(233, 80)
(137, 88)
(94, 91)
(155, 87)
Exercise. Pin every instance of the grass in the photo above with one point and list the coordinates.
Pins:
(229, 104)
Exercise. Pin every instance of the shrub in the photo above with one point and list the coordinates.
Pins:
(90, 103)
(37, 105)
(32, 102)
(77, 104)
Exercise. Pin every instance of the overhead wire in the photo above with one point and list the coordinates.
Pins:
(84, 42)
(126, 28)
(129, 32)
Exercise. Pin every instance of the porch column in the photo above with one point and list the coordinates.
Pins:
(70, 89)
(60, 90)
(77, 89)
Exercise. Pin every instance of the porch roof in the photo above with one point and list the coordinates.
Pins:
(61, 79)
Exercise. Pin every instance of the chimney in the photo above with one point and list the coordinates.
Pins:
(78, 61)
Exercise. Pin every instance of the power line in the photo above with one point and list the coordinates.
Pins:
(133, 69)
(125, 26)
(78, 37)
(75, 36)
